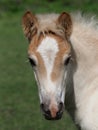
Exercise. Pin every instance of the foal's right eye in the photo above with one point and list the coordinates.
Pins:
(32, 62)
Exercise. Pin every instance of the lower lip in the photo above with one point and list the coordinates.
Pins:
(56, 118)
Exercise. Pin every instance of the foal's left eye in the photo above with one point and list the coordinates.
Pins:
(66, 62)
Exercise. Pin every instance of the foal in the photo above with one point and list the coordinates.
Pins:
(63, 52)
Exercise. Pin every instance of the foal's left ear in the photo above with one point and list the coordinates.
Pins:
(30, 25)
(65, 23)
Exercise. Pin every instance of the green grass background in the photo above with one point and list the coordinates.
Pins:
(19, 101)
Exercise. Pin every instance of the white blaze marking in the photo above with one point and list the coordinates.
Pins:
(48, 49)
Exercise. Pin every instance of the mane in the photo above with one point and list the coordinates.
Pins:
(85, 29)
(47, 23)
(85, 20)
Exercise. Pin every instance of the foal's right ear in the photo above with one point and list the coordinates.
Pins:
(30, 25)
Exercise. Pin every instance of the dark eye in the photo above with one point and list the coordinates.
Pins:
(32, 62)
(67, 60)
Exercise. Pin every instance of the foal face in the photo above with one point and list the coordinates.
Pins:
(49, 59)
(49, 55)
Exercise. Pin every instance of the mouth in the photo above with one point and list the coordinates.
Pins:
(49, 116)
(58, 116)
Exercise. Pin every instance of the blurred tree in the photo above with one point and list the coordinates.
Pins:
(50, 0)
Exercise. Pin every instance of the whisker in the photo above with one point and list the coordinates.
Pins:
(27, 61)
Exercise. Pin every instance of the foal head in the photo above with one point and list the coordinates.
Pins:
(49, 54)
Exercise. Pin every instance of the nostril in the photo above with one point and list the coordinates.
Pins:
(45, 111)
(42, 107)
(60, 108)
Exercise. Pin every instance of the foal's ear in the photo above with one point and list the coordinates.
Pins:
(65, 23)
(30, 24)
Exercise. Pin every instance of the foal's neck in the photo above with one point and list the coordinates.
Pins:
(84, 42)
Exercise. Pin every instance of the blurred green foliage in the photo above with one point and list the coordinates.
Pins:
(13, 6)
